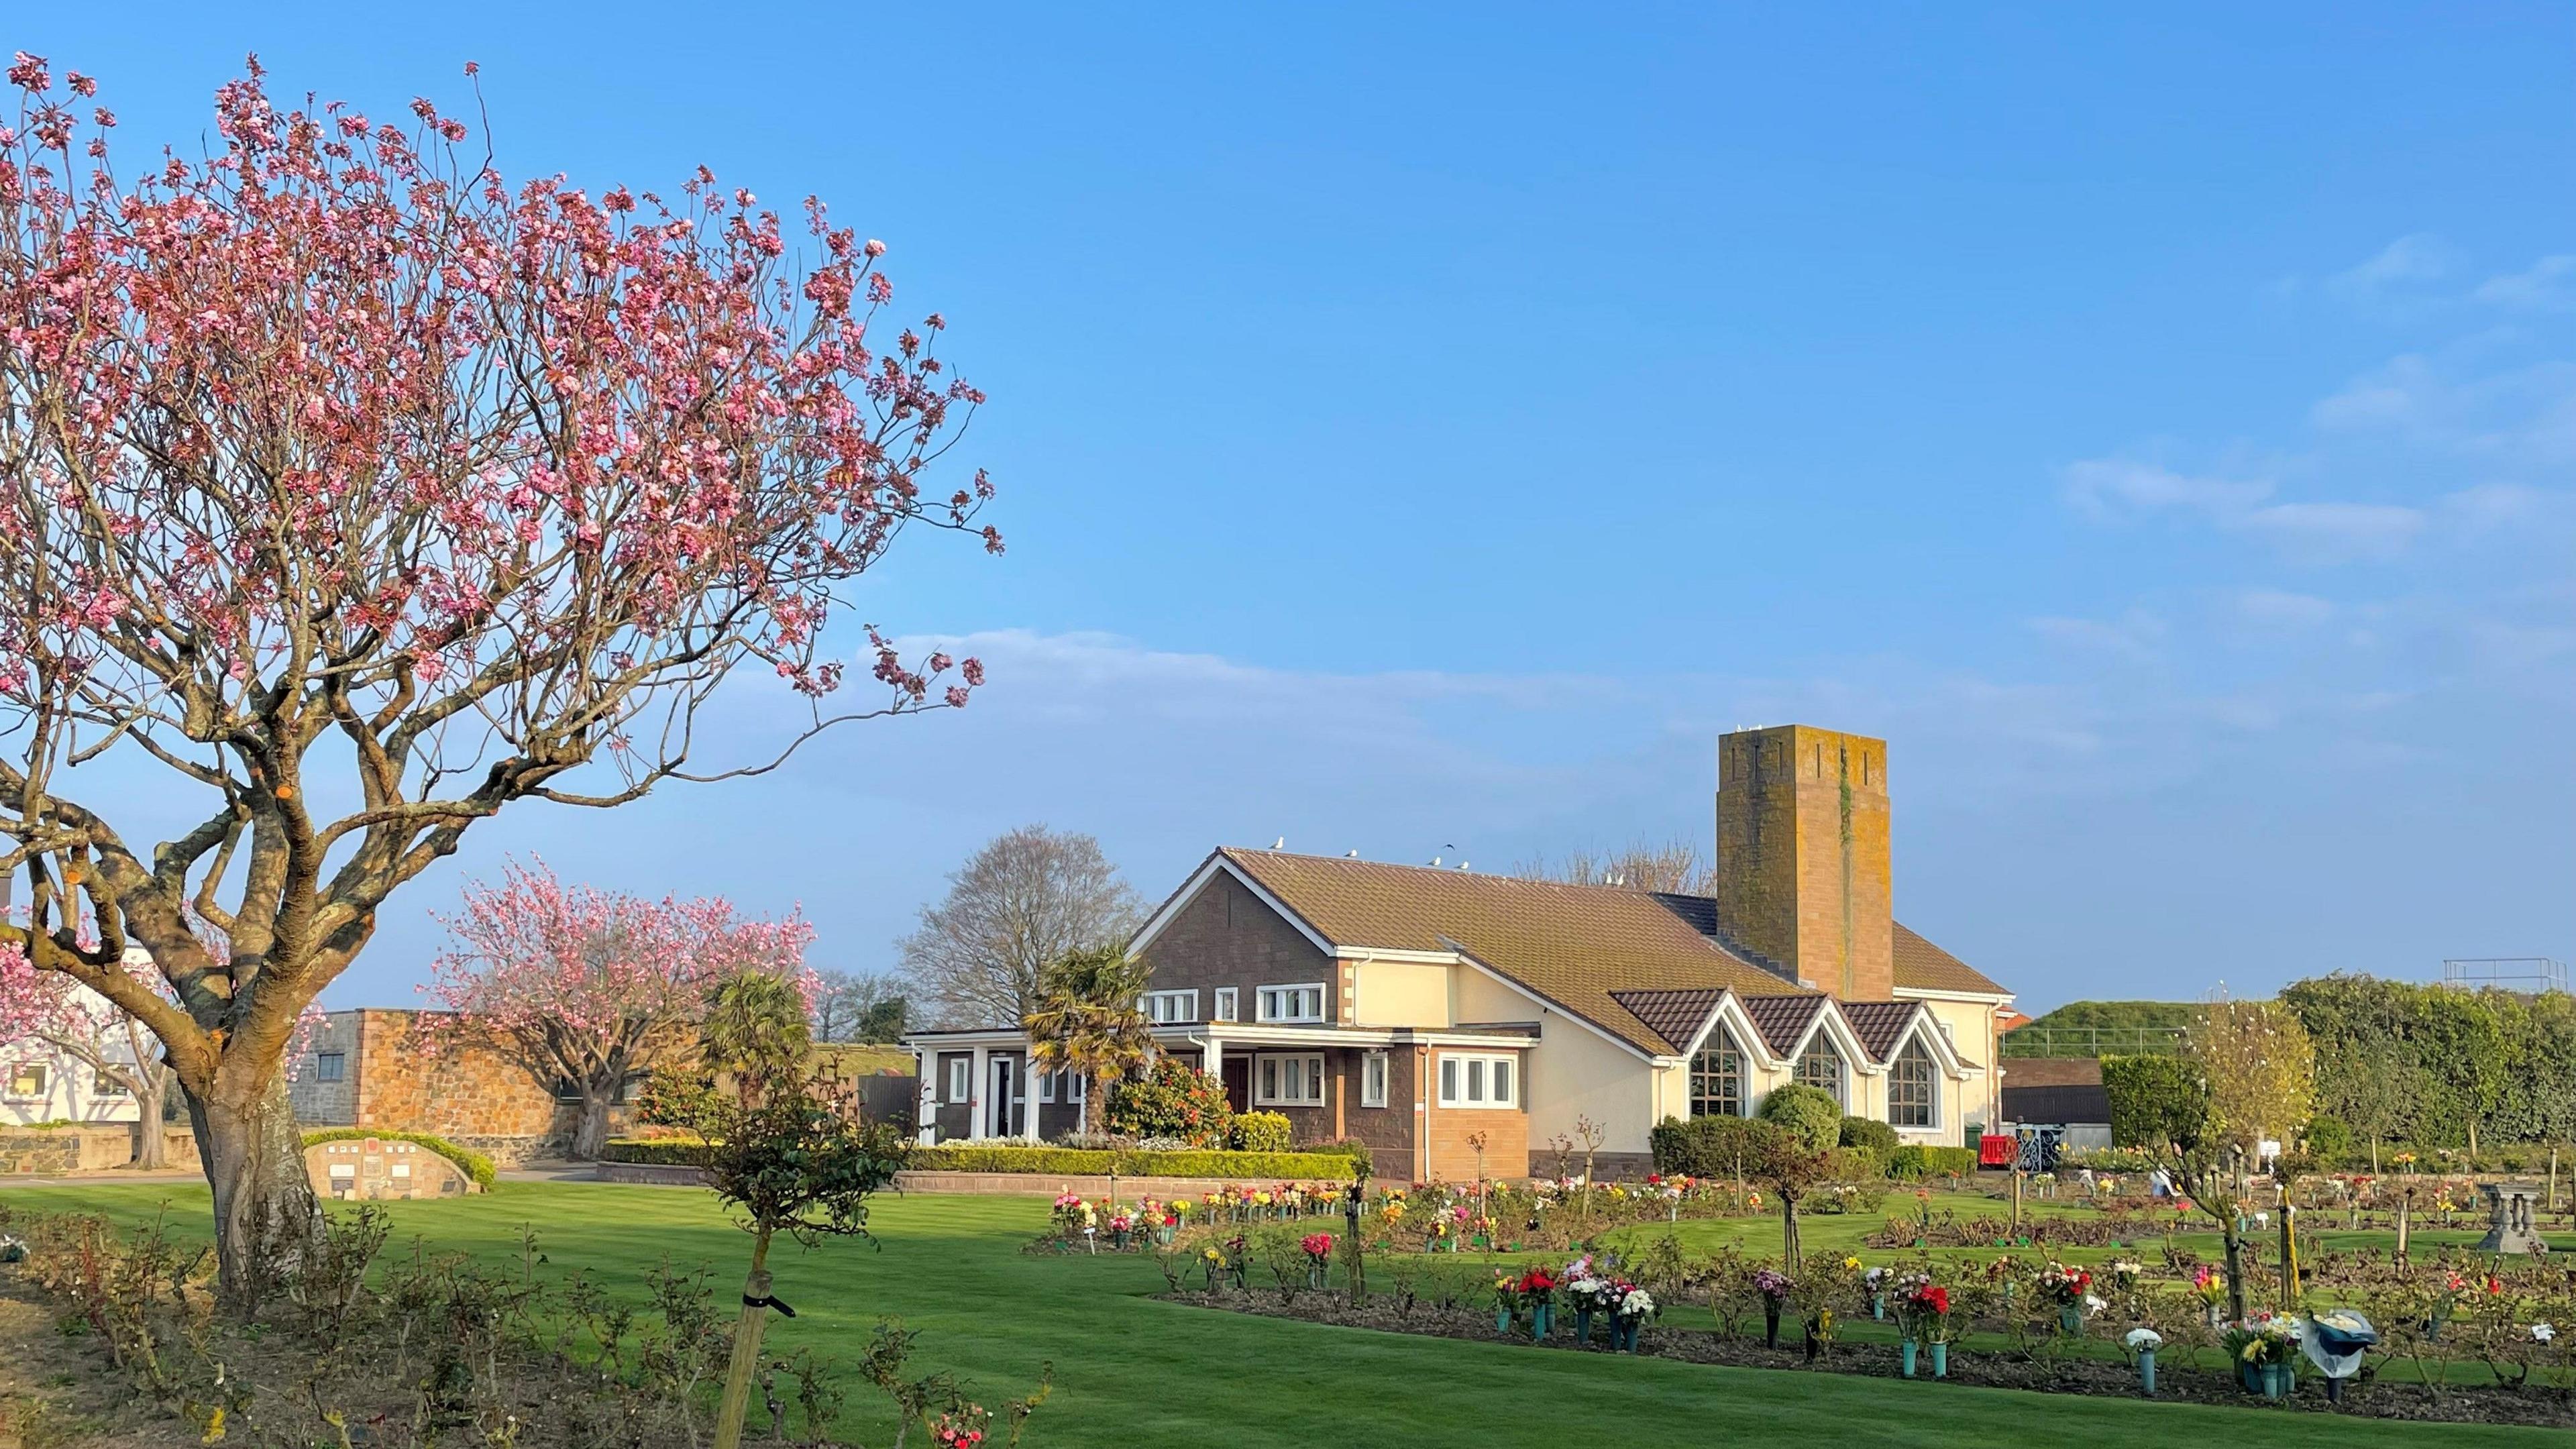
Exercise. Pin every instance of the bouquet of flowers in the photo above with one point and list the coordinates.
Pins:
(1772, 1284)
(961, 1428)
(2208, 1286)
(1068, 1212)
(1507, 1296)
(1537, 1287)
(1923, 1308)
(2124, 1274)
(1635, 1302)
(1319, 1249)
(2066, 1287)
(2264, 1338)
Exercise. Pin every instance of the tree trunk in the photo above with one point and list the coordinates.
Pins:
(2235, 1267)
(590, 1129)
(746, 1347)
(266, 1216)
(1788, 1235)
(150, 1101)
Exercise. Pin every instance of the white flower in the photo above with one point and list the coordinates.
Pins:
(2144, 1340)
(2093, 1303)
(1637, 1304)
(2542, 1333)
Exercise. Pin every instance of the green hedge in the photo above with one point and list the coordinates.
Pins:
(655, 1151)
(475, 1165)
(1911, 1162)
(1086, 1162)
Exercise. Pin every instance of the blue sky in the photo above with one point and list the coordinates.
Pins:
(1423, 431)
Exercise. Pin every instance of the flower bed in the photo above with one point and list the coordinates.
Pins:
(1046, 1161)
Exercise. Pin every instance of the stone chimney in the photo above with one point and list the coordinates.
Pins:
(1802, 855)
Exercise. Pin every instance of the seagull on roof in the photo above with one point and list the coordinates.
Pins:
(1280, 844)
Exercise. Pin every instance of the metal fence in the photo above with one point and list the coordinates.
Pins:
(2094, 1041)
(2528, 975)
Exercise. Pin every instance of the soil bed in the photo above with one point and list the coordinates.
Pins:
(2175, 1382)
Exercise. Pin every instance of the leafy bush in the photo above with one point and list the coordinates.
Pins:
(1071, 1161)
(475, 1165)
(1172, 1100)
(656, 1151)
(2330, 1138)
(1363, 1159)
(1868, 1132)
(1709, 1146)
(1810, 1112)
(2155, 1101)
(1259, 1132)
(1911, 1162)
(1854, 1164)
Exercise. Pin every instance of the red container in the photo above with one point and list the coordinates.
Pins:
(1995, 1150)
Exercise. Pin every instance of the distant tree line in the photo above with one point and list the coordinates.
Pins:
(2437, 1066)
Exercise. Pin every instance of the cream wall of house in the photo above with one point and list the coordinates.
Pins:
(1574, 1071)
(1972, 1035)
(71, 1089)
(1404, 993)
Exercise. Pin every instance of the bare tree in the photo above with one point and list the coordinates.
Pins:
(1025, 901)
(865, 1006)
(1675, 865)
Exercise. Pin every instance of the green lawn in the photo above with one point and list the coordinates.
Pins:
(1131, 1371)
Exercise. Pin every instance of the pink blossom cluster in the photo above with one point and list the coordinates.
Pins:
(338, 412)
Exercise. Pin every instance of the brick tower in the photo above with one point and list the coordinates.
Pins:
(1802, 855)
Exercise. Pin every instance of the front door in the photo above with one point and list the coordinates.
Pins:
(1237, 1073)
(1003, 1116)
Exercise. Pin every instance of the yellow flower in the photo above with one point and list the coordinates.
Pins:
(2253, 1351)
(1852, 1263)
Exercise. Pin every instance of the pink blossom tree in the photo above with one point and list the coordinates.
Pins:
(364, 495)
(104, 1038)
(594, 988)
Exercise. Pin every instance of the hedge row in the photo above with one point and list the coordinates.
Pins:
(1336, 1166)
(474, 1164)
(1088, 1162)
(1715, 1146)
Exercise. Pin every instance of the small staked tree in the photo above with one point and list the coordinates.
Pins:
(359, 494)
(1087, 1020)
(1788, 1163)
(1023, 902)
(790, 1152)
(591, 988)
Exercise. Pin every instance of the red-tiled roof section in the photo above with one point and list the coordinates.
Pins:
(1878, 1023)
(1922, 966)
(1571, 944)
(1782, 1019)
(1676, 1016)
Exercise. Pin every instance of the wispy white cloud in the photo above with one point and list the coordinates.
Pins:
(2136, 634)
(2404, 265)
(2547, 285)
(2316, 532)
(2281, 609)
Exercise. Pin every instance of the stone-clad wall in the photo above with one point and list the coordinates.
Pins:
(467, 1090)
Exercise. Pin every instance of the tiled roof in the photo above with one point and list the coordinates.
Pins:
(1572, 945)
(1922, 966)
(1676, 1016)
(1783, 1019)
(1879, 1023)
(1919, 965)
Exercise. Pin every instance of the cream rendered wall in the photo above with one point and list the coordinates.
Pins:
(1972, 1035)
(1574, 1071)
(1403, 993)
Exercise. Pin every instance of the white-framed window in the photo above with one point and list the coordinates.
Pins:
(1063, 1085)
(1293, 1003)
(1224, 1005)
(1821, 1067)
(1474, 1080)
(1717, 1077)
(1288, 1080)
(1162, 1006)
(27, 1079)
(1373, 1069)
(1912, 1098)
(961, 1078)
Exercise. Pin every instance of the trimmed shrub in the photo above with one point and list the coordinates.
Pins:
(1363, 1160)
(656, 1151)
(1866, 1132)
(1259, 1132)
(1854, 1164)
(1071, 1161)
(475, 1165)
(1809, 1112)
(1710, 1146)
(2330, 1138)
(1911, 1163)
(1172, 1100)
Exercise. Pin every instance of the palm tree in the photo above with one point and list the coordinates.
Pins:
(1087, 1019)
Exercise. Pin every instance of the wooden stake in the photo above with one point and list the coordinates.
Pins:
(746, 1348)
